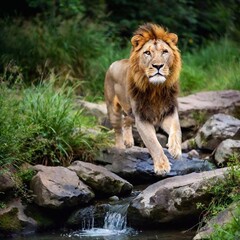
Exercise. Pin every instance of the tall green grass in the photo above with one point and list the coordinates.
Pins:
(43, 125)
(213, 67)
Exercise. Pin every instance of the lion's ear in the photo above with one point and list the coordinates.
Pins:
(173, 37)
(136, 41)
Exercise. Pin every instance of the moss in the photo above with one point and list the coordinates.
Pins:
(9, 221)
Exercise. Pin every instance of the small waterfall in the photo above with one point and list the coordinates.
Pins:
(116, 218)
(115, 223)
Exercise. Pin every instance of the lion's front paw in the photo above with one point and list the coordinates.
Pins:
(174, 147)
(162, 167)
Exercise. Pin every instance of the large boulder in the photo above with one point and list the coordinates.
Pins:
(220, 220)
(196, 108)
(136, 165)
(173, 199)
(59, 187)
(226, 151)
(218, 128)
(101, 180)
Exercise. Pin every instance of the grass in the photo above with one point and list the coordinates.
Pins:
(42, 125)
(230, 231)
(226, 192)
(213, 67)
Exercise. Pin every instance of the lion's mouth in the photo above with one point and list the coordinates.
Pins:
(157, 74)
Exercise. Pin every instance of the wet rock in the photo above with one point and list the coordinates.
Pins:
(227, 150)
(195, 109)
(13, 219)
(101, 180)
(172, 199)
(58, 187)
(224, 217)
(218, 128)
(135, 164)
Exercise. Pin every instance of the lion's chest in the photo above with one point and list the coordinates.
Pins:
(154, 108)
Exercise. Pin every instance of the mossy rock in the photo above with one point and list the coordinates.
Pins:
(9, 222)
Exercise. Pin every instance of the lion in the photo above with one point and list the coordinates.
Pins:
(143, 90)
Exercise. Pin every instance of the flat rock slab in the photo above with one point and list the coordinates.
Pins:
(59, 187)
(101, 180)
(135, 164)
(195, 108)
(173, 199)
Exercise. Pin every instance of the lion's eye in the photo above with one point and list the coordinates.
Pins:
(165, 51)
(147, 53)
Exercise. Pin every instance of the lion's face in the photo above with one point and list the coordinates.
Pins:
(155, 60)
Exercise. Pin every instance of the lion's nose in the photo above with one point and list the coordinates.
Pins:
(157, 66)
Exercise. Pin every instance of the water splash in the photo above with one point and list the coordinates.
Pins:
(115, 223)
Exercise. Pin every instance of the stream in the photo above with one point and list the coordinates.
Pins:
(115, 227)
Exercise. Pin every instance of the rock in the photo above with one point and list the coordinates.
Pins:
(193, 154)
(227, 149)
(58, 187)
(173, 199)
(13, 219)
(135, 164)
(196, 108)
(222, 218)
(6, 180)
(218, 128)
(101, 180)
(189, 144)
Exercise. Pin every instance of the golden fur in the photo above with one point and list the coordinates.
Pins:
(144, 89)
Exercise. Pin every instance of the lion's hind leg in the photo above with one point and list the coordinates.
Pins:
(115, 117)
(127, 131)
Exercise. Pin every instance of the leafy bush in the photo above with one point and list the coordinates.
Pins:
(43, 125)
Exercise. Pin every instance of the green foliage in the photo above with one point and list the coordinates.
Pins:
(193, 21)
(230, 231)
(78, 40)
(215, 67)
(43, 125)
(224, 193)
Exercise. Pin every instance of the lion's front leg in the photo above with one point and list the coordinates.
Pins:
(172, 126)
(148, 135)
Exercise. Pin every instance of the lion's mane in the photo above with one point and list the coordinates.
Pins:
(153, 102)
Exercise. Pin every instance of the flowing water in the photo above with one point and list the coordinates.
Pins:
(114, 228)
